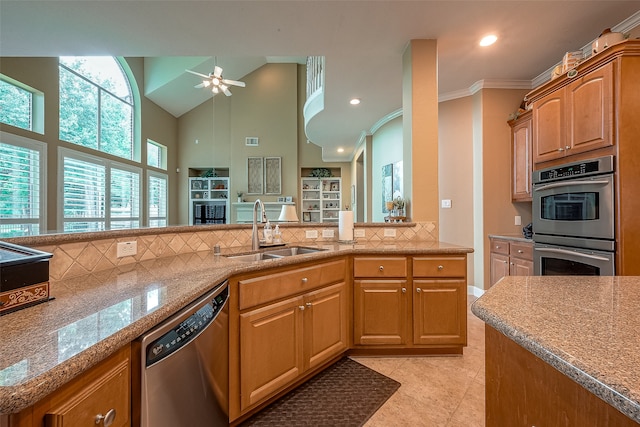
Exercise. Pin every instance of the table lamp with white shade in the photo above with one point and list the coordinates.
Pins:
(288, 214)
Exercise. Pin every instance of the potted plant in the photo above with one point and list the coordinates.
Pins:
(240, 193)
(398, 205)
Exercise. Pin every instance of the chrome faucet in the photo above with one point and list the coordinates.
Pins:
(255, 239)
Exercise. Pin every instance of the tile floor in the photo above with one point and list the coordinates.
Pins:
(435, 391)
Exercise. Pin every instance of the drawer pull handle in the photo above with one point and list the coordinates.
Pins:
(301, 307)
(304, 280)
(504, 262)
(418, 290)
(309, 305)
(441, 267)
(519, 251)
(497, 246)
(381, 268)
(106, 419)
(404, 290)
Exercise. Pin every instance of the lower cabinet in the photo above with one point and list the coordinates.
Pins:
(424, 309)
(99, 397)
(285, 338)
(510, 258)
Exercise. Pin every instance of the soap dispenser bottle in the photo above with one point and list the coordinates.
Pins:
(277, 235)
(268, 235)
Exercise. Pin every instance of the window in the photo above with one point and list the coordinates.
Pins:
(22, 170)
(157, 191)
(156, 155)
(21, 106)
(96, 105)
(88, 203)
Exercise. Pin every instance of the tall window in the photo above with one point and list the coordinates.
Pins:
(21, 106)
(96, 105)
(157, 191)
(88, 203)
(22, 174)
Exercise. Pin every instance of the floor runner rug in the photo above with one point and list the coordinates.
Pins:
(345, 394)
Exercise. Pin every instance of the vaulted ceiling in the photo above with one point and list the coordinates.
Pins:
(362, 41)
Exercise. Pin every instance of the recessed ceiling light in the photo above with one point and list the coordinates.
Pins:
(488, 40)
(355, 101)
(340, 150)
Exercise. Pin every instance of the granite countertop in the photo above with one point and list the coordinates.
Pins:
(588, 328)
(512, 237)
(44, 346)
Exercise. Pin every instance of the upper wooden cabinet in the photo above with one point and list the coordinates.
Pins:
(521, 153)
(575, 118)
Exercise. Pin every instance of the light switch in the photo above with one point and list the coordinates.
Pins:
(327, 233)
(518, 220)
(311, 234)
(446, 203)
(389, 232)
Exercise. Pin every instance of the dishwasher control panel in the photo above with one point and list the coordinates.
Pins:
(186, 330)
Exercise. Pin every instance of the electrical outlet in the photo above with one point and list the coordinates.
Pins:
(518, 220)
(311, 234)
(127, 249)
(358, 232)
(327, 233)
(446, 203)
(389, 232)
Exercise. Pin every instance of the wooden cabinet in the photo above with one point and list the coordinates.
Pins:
(575, 118)
(440, 300)
(394, 308)
(290, 322)
(510, 258)
(521, 153)
(99, 397)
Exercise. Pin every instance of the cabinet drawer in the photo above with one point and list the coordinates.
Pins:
(271, 287)
(500, 246)
(441, 266)
(521, 250)
(380, 267)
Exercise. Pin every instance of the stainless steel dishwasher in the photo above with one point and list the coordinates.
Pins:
(184, 378)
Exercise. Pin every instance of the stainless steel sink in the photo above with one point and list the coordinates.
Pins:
(275, 254)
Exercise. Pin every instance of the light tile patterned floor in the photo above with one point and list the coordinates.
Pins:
(435, 391)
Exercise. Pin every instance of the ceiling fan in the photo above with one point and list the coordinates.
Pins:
(216, 81)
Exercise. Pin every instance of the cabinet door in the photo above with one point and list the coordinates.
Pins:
(549, 127)
(590, 111)
(271, 349)
(439, 311)
(325, 324)
(380, 312)
(499, 267)
(521, 165)
(520, 267)
(103, 391)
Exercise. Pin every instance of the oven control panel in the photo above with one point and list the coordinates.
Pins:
(578, 169)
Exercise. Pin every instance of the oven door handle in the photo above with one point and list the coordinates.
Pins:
(566, 252)
(568, 183)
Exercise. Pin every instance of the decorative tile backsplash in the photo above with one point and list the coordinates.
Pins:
(76, 258)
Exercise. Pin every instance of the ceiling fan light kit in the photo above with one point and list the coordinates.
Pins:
(216, 81)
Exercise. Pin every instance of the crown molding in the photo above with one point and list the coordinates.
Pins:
(627, 25)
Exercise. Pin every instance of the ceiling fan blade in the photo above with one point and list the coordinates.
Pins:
(204, 76)
(217, 71)
(233, 82)
(198, 86)
(226, 90)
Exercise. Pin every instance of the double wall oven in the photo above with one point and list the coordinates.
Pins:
(574, 219)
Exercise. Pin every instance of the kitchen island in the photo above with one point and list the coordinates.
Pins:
(562, 351)
(93, 316)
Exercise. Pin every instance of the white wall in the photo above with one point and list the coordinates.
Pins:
(387, 148)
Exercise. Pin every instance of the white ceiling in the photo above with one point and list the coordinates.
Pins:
(362, 41)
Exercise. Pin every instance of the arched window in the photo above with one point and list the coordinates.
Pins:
(96, 105)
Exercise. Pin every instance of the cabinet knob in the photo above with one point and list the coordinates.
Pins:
(106, 419)
(566, 147)
(381, 268)
(505, 262)
(304, 280)
(301, 307)
(309, 305)
(441, 267)
(418, 290)
(512, 263)
(404, 290)
(519, 251)
(560, 149)
(497, 246)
